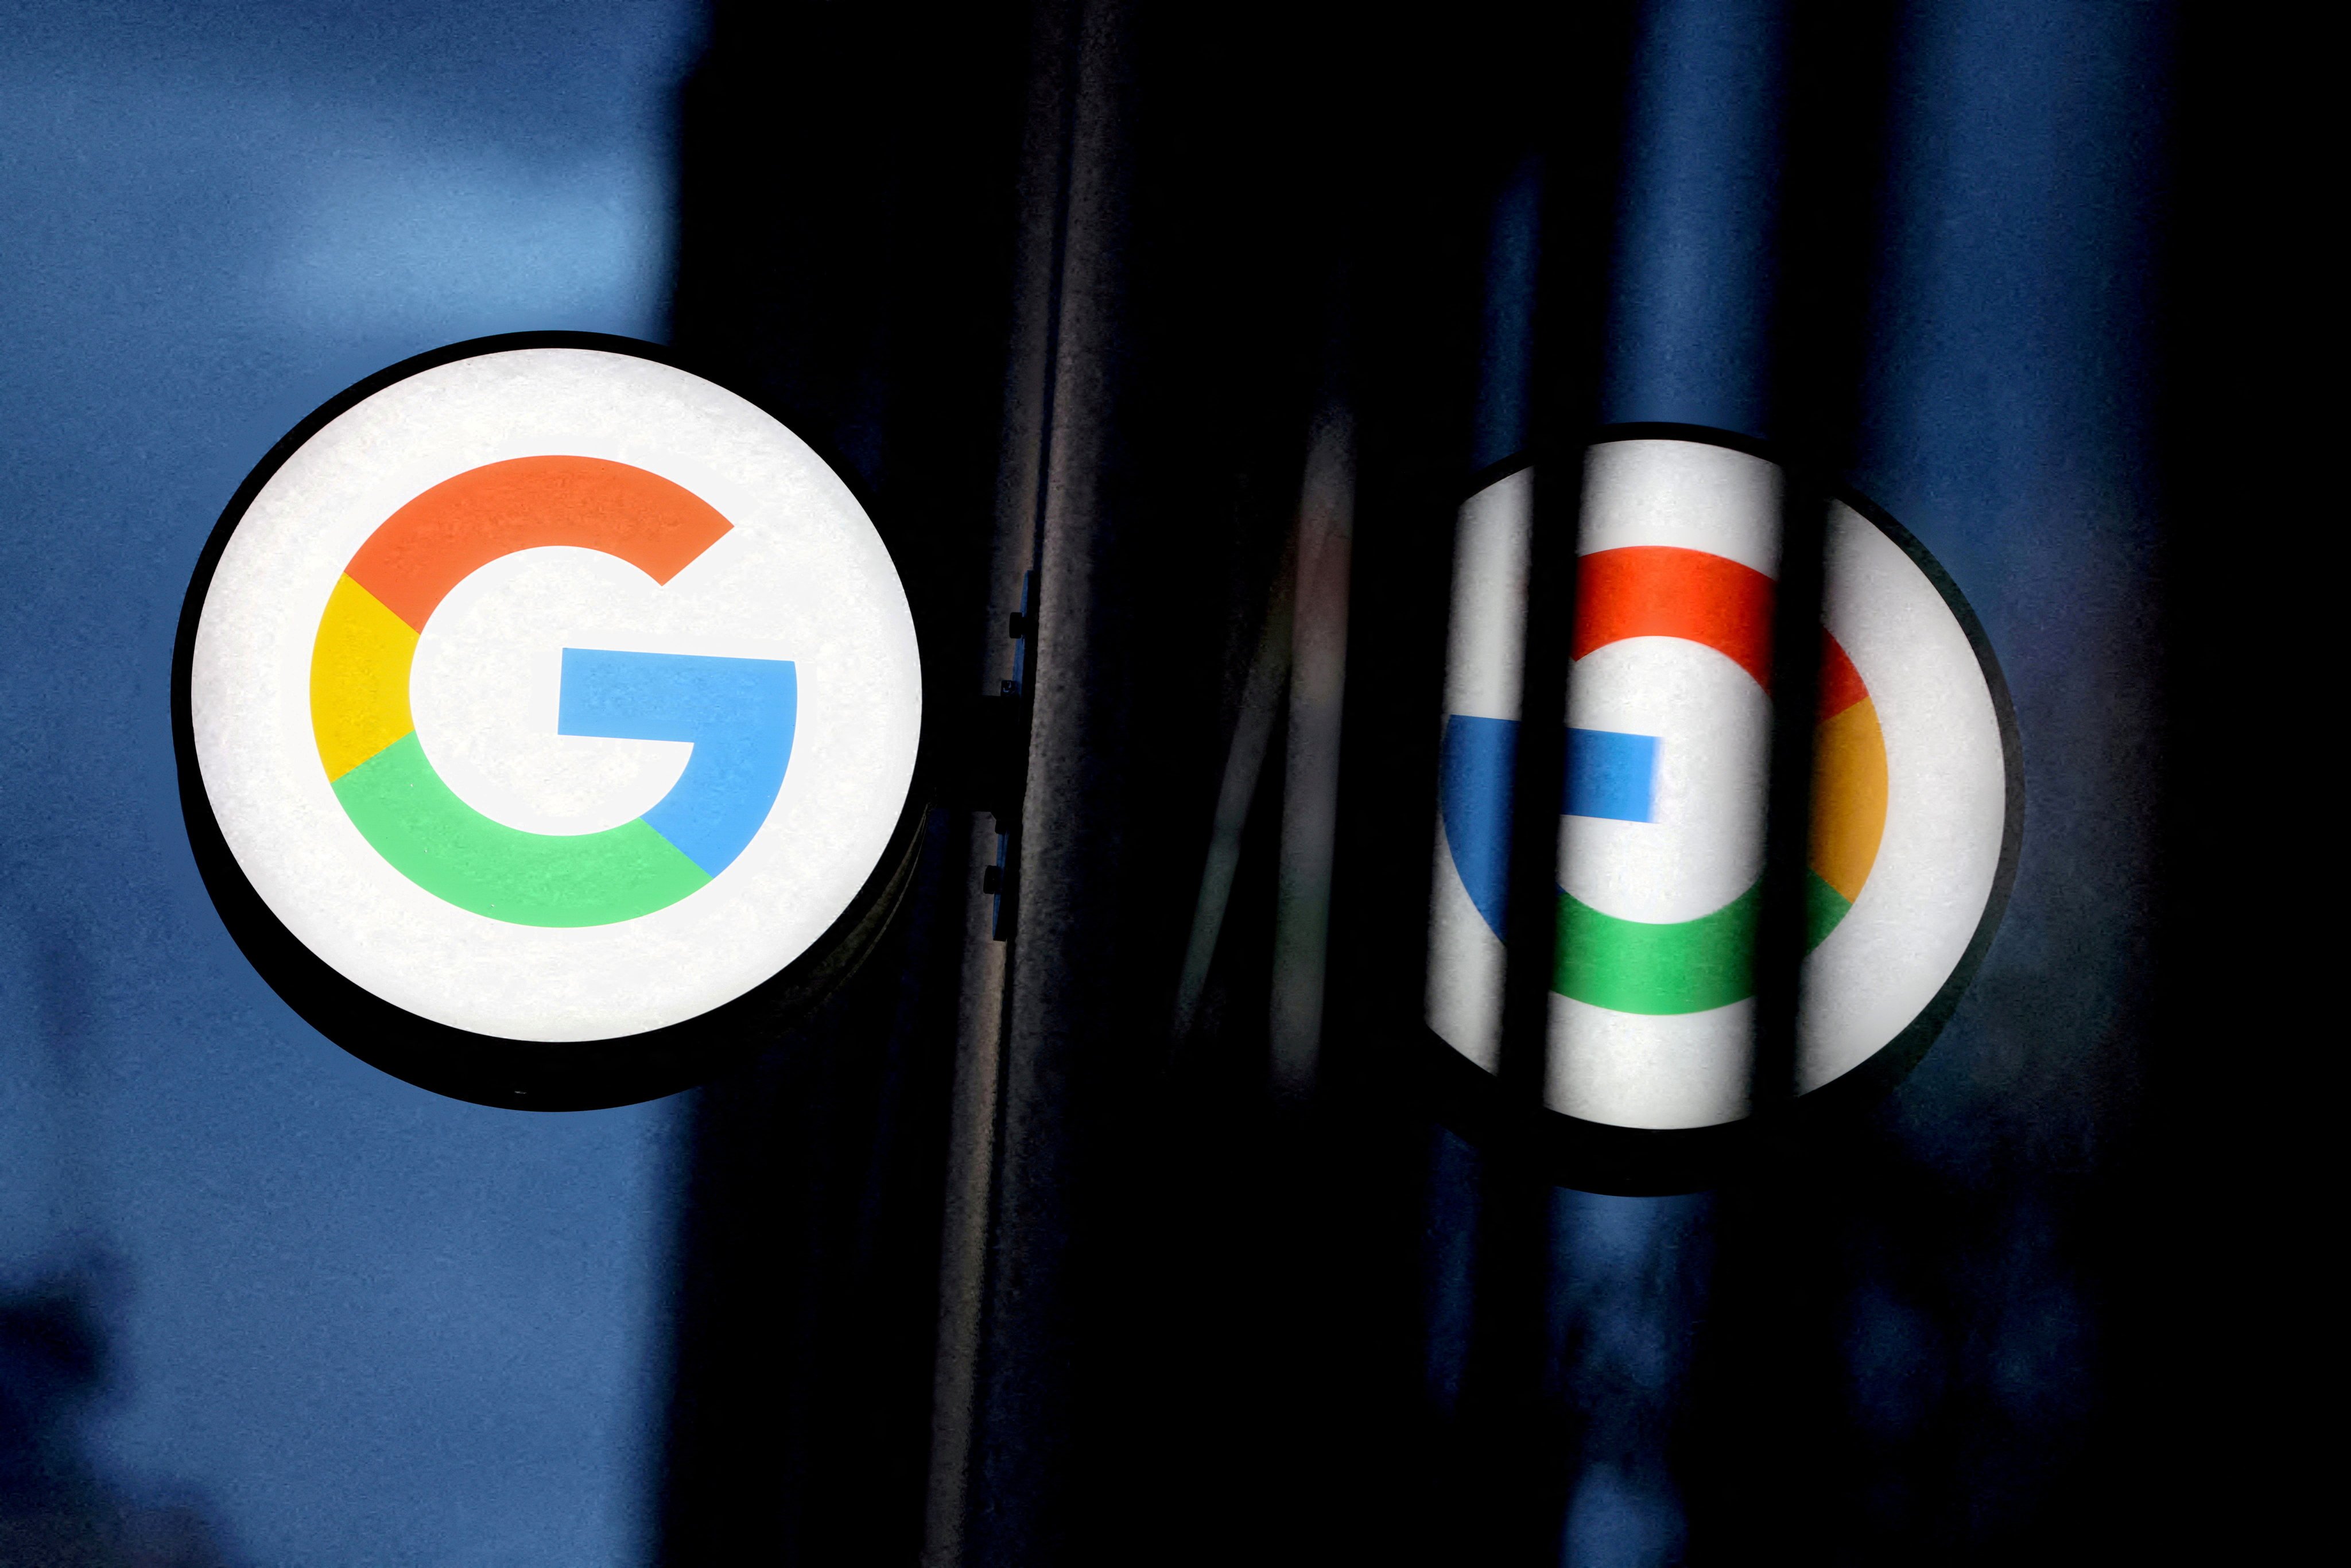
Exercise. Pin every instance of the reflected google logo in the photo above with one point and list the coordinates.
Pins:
(1916, 803)
(1708, 961)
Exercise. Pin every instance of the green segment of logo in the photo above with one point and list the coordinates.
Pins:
(1684, 966)
(453, 851)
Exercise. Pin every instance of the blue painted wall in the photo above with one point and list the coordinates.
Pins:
(354, 1322)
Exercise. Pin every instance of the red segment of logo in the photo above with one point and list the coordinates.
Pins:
(1663, 591)
(461, 525)
(1841, 685)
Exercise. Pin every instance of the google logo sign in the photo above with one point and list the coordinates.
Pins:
(735, 713)
(548, 718)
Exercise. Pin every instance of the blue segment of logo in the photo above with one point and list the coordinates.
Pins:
(738, 713)
(1474, 798)
(1611, 775)
(1608, 775)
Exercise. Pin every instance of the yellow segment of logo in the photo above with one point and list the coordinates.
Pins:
(359, 678)
(1849, 786)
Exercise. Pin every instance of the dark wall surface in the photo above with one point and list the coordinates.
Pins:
(1951, 255)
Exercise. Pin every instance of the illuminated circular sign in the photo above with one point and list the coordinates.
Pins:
(1916, 804)
(547, 720)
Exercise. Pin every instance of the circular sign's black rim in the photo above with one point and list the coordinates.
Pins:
(490, 1070)
(1596, 1157)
